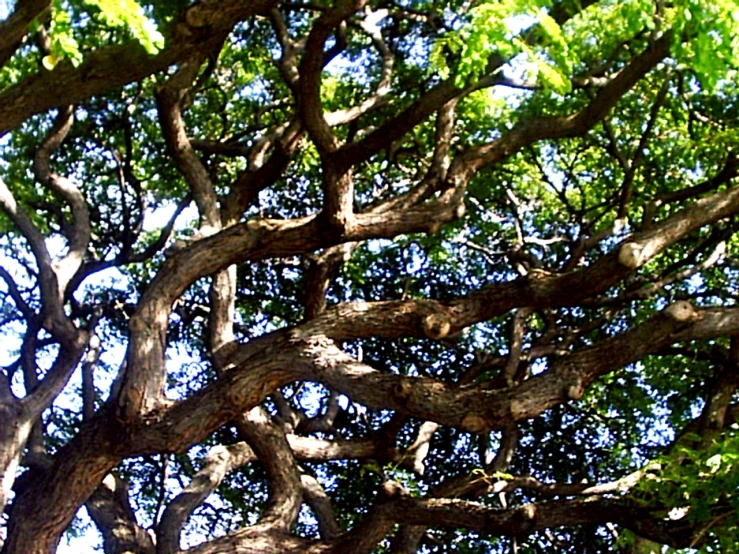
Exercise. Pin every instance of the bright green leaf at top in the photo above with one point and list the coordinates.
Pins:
(551, 28)
(612, 22)
(706, 37)
(489, 32)
(548, 76)
(558, 49)
(705, 34)
(129, 14)
(493, 29)
(116, 13)
(63, 43)
(552, 78)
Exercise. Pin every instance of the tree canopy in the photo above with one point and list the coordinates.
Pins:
(352, 276)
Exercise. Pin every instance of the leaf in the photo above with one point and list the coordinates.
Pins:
(63, 43)
(714, 463)
(49, 62)
(712, 50)
(552, 78)
(129, 14)
(551, 28)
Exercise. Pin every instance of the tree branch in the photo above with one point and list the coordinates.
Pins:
(79, 233)
(315, 496)
(109, 507)
(533, 130)
(270, 445)
(14, 29)
(197, 27)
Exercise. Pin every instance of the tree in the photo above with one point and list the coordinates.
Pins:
(351, 276)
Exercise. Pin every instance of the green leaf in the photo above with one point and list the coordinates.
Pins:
(714, 463)
(552, 78)
(63, 43)
(129, 14)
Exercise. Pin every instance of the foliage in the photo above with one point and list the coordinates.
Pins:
(351, 277)
(699, 484)
(126, 14)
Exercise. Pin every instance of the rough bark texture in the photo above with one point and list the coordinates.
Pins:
(241, 398)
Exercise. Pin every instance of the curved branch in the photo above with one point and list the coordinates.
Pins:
(283, 474)
(198, 27)
(14, 29)
(315, 496)
(16, 295)
(369, 24)
(169, 99)
(56, 320)
(79, 233)
(311, 67)
(58, 375)
(217, 464)
(221, 460)
(109, 507)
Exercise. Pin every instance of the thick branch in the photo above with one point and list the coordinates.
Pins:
(285, 357)
(254, 239)
(278, 360)
(538, 290)
(198, 27)
(528, 518)
(272, 448)
(110, 509)
(14, 28)
(315, 496)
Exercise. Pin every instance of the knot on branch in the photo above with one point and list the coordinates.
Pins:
(475, 423)
(681, 311)
(402, 389)
(437, 325)
(261, 224)
(201, 14)
(630, 255)
(576, 389)
(390, 490)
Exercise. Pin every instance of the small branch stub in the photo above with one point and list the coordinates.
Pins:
(392, 489)
(475, 424)
(576, 390)
(528, 511)
(630, 255)
(402, 389)
(682, 310)
(436, 326)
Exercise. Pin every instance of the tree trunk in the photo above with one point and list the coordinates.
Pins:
(14, 432)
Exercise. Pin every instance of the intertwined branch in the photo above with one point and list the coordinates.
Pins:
(138, 419)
